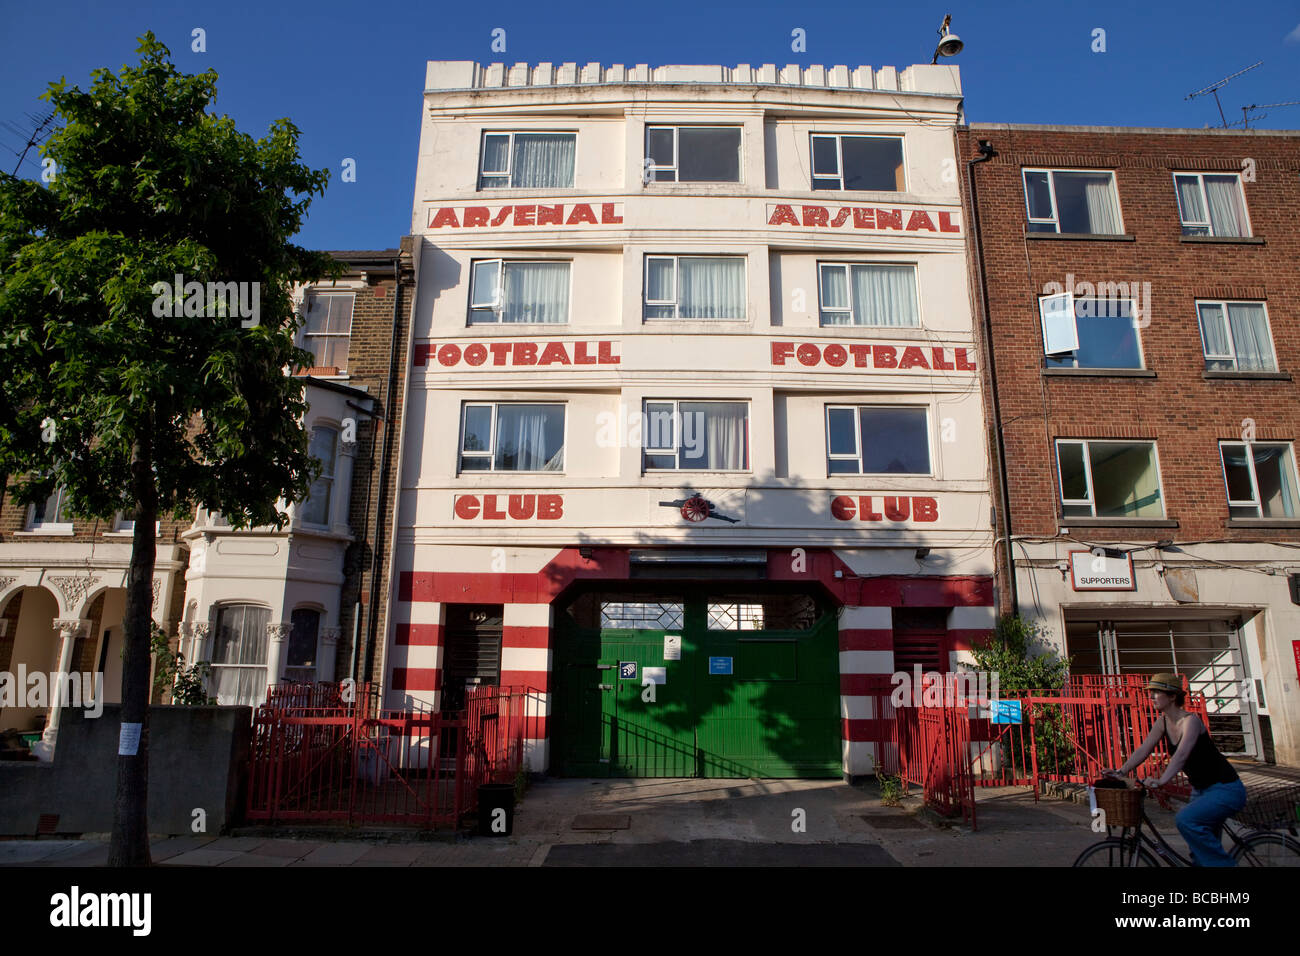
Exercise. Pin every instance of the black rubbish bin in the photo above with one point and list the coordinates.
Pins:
(496, 809)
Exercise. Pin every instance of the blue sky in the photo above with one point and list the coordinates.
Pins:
(350, 75)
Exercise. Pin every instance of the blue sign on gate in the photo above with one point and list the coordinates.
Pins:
(627, 670)
(720, 665)
(1006, 711)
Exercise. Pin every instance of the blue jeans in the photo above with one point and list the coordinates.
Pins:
(1201, 821)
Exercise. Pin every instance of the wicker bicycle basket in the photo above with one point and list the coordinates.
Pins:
(1123, 808)
(1271, 807)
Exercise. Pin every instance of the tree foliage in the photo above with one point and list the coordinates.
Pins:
(109, 390)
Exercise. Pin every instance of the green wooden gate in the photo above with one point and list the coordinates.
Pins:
(754, 693)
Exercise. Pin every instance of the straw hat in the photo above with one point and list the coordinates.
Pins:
(1169, 683)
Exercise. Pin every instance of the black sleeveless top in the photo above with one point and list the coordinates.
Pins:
(1205, 765)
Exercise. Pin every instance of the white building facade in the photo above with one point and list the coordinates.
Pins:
(693, 446)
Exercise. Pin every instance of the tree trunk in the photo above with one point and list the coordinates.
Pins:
(129, 845)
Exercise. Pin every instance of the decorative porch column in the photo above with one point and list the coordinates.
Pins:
(68, 629)
(277, 636)
(342, 487)
(329, 649)
(198, 640)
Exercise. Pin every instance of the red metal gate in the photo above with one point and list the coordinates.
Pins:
(1069, 734)
(320, 758)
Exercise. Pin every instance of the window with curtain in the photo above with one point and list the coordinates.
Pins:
(693, 154)
(327, 332)
(316, 508)
(1260, 478)
(695, 287)
(300, 665)
(50, 514)
(512, 437)
(1077, 201)
(510, 292)
(871, 294)
(1109, 479)
(1235, 337)
(1211, 204)
(857, 162)
(238, 655)
(527, 160)
(1089, 332)
(687, 436)
(877, 440)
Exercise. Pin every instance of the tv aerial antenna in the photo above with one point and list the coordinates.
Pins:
(1214, 88)
(1245, 111)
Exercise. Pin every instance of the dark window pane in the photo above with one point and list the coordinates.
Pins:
(872, 163)
(895, 441)
(1277, 493)
(478, 428)
(840, 427)
(659, 429)
(302, 637)
(659, 146)
(1107, 338)
(708, 155)
(1237, 473)
(660, 461)
(1074, 484)
(1039, 197)
(825, 157)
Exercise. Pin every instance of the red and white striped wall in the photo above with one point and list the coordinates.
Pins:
(866, 649)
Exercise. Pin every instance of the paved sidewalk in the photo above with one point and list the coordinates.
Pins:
(666, 822)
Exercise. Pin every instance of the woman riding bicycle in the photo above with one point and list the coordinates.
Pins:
(1217, 791)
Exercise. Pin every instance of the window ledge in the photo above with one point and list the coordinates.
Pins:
(1226, 240)
(58, 530)
(1094, 236)
(1250, 376)
(1100, 372)
(1066, 523)
(1264, 522)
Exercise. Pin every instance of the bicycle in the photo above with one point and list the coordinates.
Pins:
(1256, 843)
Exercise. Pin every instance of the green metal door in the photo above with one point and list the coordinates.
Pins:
(753, 691)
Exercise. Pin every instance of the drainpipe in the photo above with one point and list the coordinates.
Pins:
(372, 621)
(364, 535)
(987, 152)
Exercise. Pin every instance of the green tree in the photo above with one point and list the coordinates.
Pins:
(1022, 660)
(105, 393)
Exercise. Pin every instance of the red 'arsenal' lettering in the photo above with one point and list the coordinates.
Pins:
(550, 215)
(501, 216)
(607, 216)
(524, 215)
(920, 219)
(581, 213)
(946, 224)
(476, 216)
(446, 216)
(783, 214)
(814, 215)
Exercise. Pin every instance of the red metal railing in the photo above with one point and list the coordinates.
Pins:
(317, 757)
(1068, 734)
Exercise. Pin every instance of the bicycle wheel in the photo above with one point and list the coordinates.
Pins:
(1115, 852)
(1266, 848)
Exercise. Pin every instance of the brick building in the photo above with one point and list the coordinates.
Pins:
(693, 404)
(1143, 297)
(262, 605)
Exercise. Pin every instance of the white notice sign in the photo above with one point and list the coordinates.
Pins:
(1093, 571)
(672, 647)
(128, 740)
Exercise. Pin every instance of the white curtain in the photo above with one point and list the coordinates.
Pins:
(714, 435)
(536, 292)
(1227, 214)
(1214, 336)
(1103, 213)
(711, 288)
(1277, 491)
(1189, 201)
(1250, 337)
(543, 160)
(239, 656)
(530, 438)
(885, 296)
